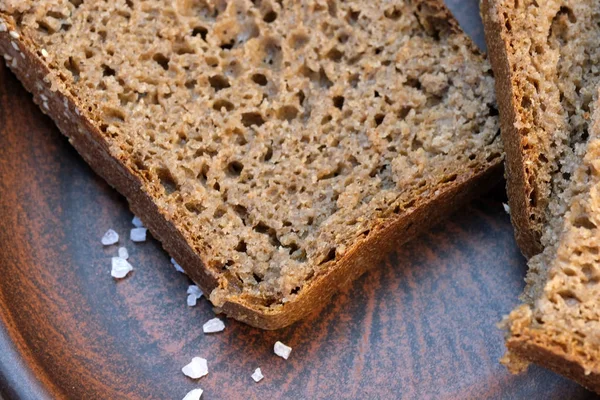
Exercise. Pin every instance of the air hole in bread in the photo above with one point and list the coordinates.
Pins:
(263, 228)
(200, 31)
(72, 66)
(219, 212)
(329, 256)
(352, 16)
(161, 60)
(195, 207)
(583, 221)
(234, 168)
(221, 104)
(270, 16)
(393, 13)
(252, 118)
(241, 247)
(335, 55)
(241, 212)
(167, 180)
(338, 102)
(219, 82)
(260, 79)
(287, 113)
(569, 297)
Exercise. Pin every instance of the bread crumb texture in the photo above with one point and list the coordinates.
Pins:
(555, 69)
(275, 134)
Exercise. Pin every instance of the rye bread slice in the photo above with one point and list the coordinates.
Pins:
(546, 61)
(277, 149)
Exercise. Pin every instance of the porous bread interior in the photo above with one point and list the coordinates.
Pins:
(554, 74)
(556, 58)
(275, 134)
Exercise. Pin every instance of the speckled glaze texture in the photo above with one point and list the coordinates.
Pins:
(422, 325)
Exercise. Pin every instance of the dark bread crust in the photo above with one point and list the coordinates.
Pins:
(527, 232)
(538, 349)
(85, 136)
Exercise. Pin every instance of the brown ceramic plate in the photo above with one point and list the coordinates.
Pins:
(420, 326)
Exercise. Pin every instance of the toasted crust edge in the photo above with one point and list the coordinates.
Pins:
(527, 237)
(554, 359)
(87, 140)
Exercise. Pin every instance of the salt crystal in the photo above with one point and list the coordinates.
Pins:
(123, 253)
(2, 27)
(120, 268)
(15, 46)
(110, 237)
(196, 369)
(194, 293)
(282, 350)
(137, 222)
(194, 394)
(138, 234)
(212, 326)
(506, 208)
(177, 266)
(45, 53)
(191, 300)
(257, 375)
(14, 34)
(195, 290)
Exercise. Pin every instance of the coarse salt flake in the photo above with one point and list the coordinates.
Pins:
(14, 34)
(282, 350)
(120, 268)
(506, 208)
(212, 326)
(194, 293)
(192, 300)
(194, 394)
(123, 253)
(195, 290)
(137, 222)
(110, 237)
(257, 375)
(45, 53)
(138, 234)
(196, 369)
(15, 46)
(2, 27)
(177, 266)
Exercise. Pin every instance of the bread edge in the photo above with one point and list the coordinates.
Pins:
(526, 236)
(553, 358)
(88, 141)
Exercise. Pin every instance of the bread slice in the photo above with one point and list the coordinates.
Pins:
(276, 149)
(546, 61)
